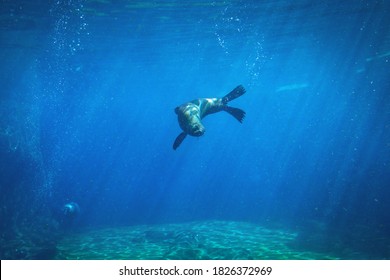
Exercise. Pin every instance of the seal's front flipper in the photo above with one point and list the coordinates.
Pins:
(235, 93)
(179, 139)
(235, 112)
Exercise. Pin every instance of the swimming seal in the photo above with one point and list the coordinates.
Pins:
(191, 113)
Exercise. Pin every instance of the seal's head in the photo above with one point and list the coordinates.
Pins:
(71, 209)
(189, 119)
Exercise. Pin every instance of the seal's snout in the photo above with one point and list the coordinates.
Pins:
(197, 130)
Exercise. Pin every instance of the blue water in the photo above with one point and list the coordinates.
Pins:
(88, 91)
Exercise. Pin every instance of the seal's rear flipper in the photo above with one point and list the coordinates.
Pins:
(179, 139)
(235, 93)
(235, 112)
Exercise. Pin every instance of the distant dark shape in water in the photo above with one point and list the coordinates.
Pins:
(191, 113)
(71, 210)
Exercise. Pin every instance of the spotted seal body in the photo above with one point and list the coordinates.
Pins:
(191, 113)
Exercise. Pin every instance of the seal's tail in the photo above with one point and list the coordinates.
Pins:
(235, 112)
(235, 93)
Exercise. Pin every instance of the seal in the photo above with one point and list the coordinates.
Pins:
(191, 113)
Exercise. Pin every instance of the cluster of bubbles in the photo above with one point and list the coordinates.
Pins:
(233, 28)
(69, 27)
(255, 61)
(8, 132)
